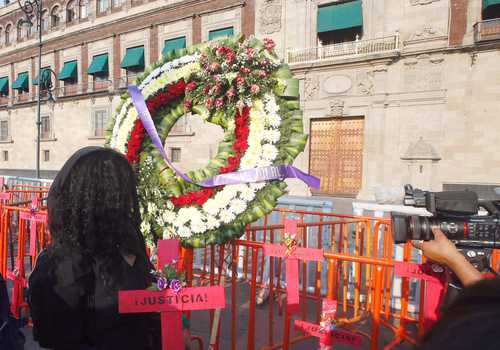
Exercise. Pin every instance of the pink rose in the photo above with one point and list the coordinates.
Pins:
(191, 86)
(209, 103)
(240, 81)
(269, 44)
(188, 104)
(254, 89)
(262, 73)
(245, 70)
(231, 92)
(214, 66)
(219, 103)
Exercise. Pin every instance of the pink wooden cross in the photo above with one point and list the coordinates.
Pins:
(435, 278)
(33, 216)
(169, 304)
(292, 263)
(328, 337)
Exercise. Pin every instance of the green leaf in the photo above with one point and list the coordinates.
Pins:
(202, 111)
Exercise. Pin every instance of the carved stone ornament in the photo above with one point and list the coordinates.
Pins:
(365, 83)
(336, 108)
(421, 150)
(311, 87)
(270, 17)
(421, 2)
(426, 32)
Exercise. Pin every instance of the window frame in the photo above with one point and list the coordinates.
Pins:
(50, 134)
(93, 126)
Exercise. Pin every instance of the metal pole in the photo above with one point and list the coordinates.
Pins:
(39, 102)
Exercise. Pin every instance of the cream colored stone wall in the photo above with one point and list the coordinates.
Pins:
(72, 130)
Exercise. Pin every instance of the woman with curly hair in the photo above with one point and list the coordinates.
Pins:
(97, 250)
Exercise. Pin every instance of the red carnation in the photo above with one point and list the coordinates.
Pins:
(191, 86)
(188, 104)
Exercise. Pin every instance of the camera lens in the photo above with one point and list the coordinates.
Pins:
(399, 227)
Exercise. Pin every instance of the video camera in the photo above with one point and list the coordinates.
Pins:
(455, 213)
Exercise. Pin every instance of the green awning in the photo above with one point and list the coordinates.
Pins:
(22, 82)
(99, 65)
(68, 71)
(340, 16)
(4, 86)
(174, 44)
(220, 33)
(487, 3)
(133, 58)
(45, 76)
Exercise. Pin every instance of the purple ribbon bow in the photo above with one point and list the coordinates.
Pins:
(238, 177)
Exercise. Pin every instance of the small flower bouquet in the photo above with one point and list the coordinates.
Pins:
(168, 278)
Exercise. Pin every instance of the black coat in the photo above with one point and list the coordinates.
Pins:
(73, 308)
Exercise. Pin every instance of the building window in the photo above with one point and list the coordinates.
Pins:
(5, 156)
(102, 5)
(99, 122)
(84, 9)
(46, 128)
(4, 130)
(491, 9)
(340, 22)
(70, 12)
(46, 155)
(116, 3)
(175, 154)
(20, 31)
(133, 62)
(8, 30)
(45, 21)
(220, 33)
(54, 17)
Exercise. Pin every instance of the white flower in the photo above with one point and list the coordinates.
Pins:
(271, 105)
(269, 152)
(274, 120)
(237, 206)
(212, 222)
(226, 216)
(183, 216)
(272, 135)
(247, 194)
(198, 227)
(263, 163)
(145, 227)
(249, 161)
(211, 207)
(168, 216)
(168, 232)
(257, 185)
(184, 232)
(170, 205)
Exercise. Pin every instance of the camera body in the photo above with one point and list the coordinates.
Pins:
(455, 213)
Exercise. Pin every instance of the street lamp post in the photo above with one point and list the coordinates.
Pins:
(33, 11)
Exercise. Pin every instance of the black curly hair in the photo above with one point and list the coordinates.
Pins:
(93, 211)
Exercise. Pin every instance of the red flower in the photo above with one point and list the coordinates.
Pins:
(231, 92)
(230, 56)
(191, 86)
(245, 70)
(209, 103)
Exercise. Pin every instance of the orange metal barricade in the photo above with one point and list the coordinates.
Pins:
(357, 272)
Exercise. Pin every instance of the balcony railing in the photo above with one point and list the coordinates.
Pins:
(487, 30)
(345, 50)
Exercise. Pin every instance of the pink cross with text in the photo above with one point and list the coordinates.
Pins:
(292, 263)
(169, 304)
(328, 337)
(33, 216)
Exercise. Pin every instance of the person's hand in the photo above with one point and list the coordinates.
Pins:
(440, 250)
(443, 251)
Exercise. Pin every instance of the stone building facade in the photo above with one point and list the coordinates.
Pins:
(86, 44)
(393, 91)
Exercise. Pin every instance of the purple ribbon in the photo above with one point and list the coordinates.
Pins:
(267, 173)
